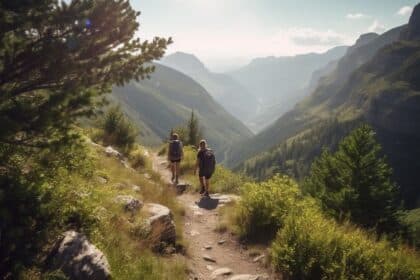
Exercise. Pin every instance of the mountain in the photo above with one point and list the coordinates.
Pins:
(280, 81)
(376, 82)
(165, 101)
(224, 89)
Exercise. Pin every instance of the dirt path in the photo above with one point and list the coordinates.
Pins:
(225, 255)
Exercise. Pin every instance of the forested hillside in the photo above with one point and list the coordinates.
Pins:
(382, 91)
(235, 98)
(279, 83)
(166, 100)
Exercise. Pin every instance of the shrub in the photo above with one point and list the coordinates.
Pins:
(137, 158)
(227, 181)
(118, 130)
(264, 206)
(309, 246)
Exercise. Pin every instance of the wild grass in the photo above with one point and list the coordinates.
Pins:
(307, 245)
(89, 205)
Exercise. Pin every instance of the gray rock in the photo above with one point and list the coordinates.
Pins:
(209, 258)
(147, 176)
(208, 247)
(130, 203)
(221, 242)
(136, 188)
(101, 179)
(245, 277)
(79, 259)
(221, 272)
(162, 226)
(258, 258)
(111, 152)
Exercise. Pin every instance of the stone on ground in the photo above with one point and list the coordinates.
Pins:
(162, 226)
(111, 152)
(258, 258)
(220, 272)
(245, 277)
(79, 259)
(130, 203)
(209, 258)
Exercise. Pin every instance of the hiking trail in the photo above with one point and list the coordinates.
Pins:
(211, 254)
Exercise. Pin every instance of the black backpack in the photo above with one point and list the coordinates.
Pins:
(175, 150)
(209, 161)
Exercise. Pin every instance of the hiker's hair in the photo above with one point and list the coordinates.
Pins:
(203, 143)
(175, 136)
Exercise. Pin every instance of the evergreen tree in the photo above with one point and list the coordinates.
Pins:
(118, 130)
(56, 57)
(193, 130)
(356, 182)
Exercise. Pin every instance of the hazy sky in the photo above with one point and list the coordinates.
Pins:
(226, 33)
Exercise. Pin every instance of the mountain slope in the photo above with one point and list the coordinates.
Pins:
(377, 83)
(278, 80)
(166, 100)
(224, 89)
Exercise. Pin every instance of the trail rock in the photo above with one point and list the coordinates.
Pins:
(210, 267)
(220, 272)
(130, 203)
(245, 277)
(79, 259)
(111, 152)
(101, 179)
(120, 186)
(209, 258)
(221, 242)
(136, 188)
(208, 247)
(147, 176)
(225, 198)
(161, 223)
(181, 188)
(258, 258)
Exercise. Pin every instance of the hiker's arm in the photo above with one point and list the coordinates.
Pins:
(196, 167)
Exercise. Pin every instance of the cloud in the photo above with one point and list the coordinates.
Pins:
(356, 16)
(312, 37)
(376, 26)
(405, 11)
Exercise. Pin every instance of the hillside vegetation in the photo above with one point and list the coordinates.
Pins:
(166, 101)
(382, 91)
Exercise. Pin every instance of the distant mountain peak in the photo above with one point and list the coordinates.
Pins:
(413, 29)
(185, 62)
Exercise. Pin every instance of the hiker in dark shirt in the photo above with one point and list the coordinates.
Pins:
(205, 165)
(175, 154)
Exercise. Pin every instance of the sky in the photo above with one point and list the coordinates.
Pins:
(226, 34)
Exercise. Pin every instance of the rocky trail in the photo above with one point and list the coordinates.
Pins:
(211, 254)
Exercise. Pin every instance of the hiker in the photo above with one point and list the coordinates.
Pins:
(206, 164)
(175, 154)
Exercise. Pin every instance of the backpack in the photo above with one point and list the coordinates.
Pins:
(175, 150)
(209, 161)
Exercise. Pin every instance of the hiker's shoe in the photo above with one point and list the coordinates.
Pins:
(202, 191)
(206, 194)
(176, 180)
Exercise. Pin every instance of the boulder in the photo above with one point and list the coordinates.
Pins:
(79, 259)
(136, 188)
(162, 226)
(130, 203)
(111, 152)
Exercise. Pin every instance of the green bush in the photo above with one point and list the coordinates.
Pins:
(227, 181)
(264, 206)
(137, 158)
(118, 130)
(309, 246)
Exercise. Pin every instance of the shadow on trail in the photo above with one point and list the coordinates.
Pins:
(208, 203)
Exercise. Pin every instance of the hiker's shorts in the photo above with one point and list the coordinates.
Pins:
(205, 175)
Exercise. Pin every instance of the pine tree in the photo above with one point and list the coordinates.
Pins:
(194, 134)
(356, 182)
(56, 57)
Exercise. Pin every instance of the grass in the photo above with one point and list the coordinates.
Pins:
(91, 203)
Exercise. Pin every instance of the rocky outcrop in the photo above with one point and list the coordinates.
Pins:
(162, 226)
(129, 203)
(413, 29)
(111, 152)
(79, 259)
